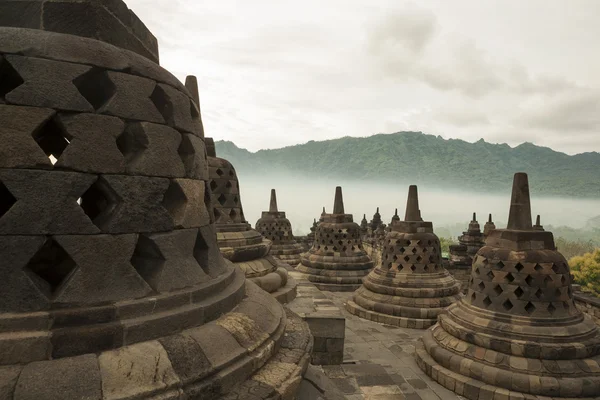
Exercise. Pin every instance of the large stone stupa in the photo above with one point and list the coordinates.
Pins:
(336, 260)
(238, 241)
(410, 287)
(113, 286)
(274, 226)
(517, 333)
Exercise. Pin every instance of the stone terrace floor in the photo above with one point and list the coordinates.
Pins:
(379, 361)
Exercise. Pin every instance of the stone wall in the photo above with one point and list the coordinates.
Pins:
(588, 304)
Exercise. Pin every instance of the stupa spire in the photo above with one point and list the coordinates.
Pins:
(412, 205)
(338, 205)
(273, 203)
(474, 216)
(490, 218)
(519, 217)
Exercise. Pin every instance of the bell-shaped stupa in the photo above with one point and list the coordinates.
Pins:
(238, 241)
(410, 287)
(336, 260)
(517, 333)
(488, 227)
(113, 286)
(364, 226)
(274, 226)
(375, 222)
(461, 255)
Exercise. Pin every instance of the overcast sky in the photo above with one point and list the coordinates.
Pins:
(274, 73)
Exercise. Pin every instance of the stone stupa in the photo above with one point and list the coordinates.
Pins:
(461, 255)
(410, 287)
(395, 218)
(238, 241)
(274, 226)
(364, 226)
(113, 286)
(538, 224)
(488, 227)
(517, 333)
(375, 222)
(336, 260)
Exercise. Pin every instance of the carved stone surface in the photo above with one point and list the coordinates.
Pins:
(488, 227)
(336, 260)
(113, 284)
(409, 287)
(274, 226)
(517, 333)
(239, 243)
(461, 255)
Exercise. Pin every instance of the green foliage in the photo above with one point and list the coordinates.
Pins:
(586, 270)
(445, 243)
(428, 159)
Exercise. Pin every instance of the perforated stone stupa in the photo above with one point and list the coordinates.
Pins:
(274, 226)
(461, 255)
(238, 241)
(336, 260)
(517, 334)
(113, 286)
(410, 287)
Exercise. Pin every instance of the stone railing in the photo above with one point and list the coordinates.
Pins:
(587, 303)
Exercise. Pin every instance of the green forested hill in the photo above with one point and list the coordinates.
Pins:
(426, 158)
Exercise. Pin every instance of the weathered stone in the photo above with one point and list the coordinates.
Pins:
(193, 154)
(185, 202)
(175, 108)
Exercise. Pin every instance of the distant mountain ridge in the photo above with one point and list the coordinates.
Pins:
(419, 157)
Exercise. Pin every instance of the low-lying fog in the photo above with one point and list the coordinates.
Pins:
(450, 211)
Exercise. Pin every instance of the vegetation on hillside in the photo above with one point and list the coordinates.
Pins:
(586, 271)
(426, 158)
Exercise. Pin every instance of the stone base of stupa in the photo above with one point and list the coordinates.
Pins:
(256, 347)
(404, 300)
(333, 280)
(288, 253)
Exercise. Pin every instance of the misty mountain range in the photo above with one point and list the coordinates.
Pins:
(422, 158)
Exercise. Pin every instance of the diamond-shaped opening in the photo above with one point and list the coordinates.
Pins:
(213, 185)
(519, 292)
(487, 301)
(507, 305)
(52, 139)
(551, 308)
(216, 213)
(509, 277)
(406, 258)
(96, 86)
(529, 307)
(220, 172)
(147, 260)
(519, 267)
(490, 275)
(538, 267)
(50, 267)
(481, 286)
(426, 268)
(557, 292)
(402, 250)
(498, 290)
(233, 214)
(555, 268)
(9, 78)
(547, 280)
(228, 185)
(413, 268)
(529, 280)
(175, 200)
(99, 201)
(419, 259)
(477, 272)
(563, 280)
(500, 264)
(162, 103)
(7, 200)
(539, 293)
(473, 297)
(222, 199)
(231, 173)
(414, 250)
(202, 252)
(236, 200)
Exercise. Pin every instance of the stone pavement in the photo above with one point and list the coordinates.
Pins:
(379, 361)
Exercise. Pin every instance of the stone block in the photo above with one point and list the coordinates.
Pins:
(67, 342)
(185, 202)
(219, 346)
(19, 149)
(48, 84)
(21, 348)
(328, 326)
(193, 154)
(166, 260)
(140, 206)
(188, 360)
(131, 98)
(8, 380)
(131, 370)
(93, 144)
(46, 203)
(176, 108)
(104, 271)
(67, 378)
(152, 150)
(20, 13)
(20, 292)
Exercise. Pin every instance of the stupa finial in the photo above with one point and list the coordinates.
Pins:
(338, 205)
(537, 220)
(490, 218)
(519, 217)
(474, 216)
(273, 203)
(191, 84)
(412, 205)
